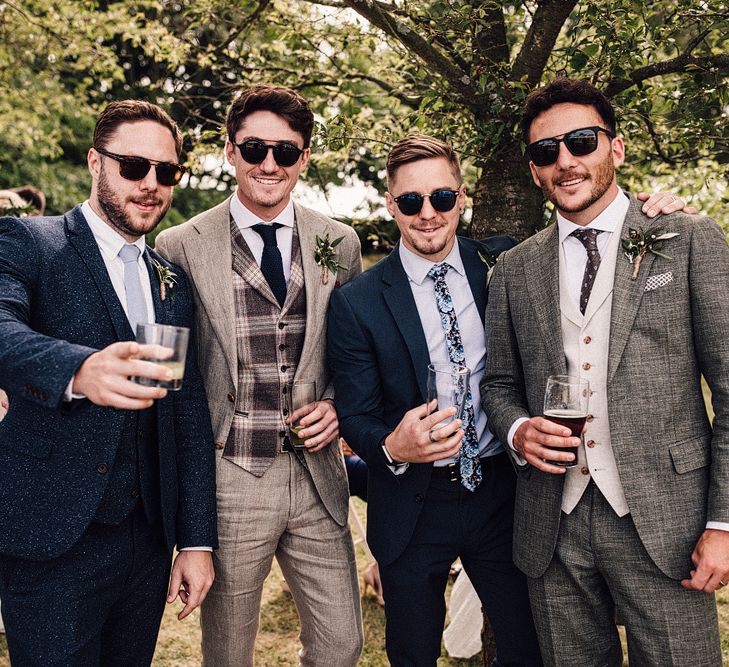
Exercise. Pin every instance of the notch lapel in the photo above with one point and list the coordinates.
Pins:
(82, 239)
(161, 308)
(476, 273)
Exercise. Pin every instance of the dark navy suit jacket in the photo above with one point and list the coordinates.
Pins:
(58, 306)
(379, 359)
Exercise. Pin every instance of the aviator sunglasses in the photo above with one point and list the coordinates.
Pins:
(255, 151)
(136, 168)
(441, 200)
(579, 142)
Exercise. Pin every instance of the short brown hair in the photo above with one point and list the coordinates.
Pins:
(284, 102)
(132, 111)
(421, 147)
(565, 90)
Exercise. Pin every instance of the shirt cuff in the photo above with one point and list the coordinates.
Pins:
(717, 525)
(520, 460)
(196, 549)
(396, 468)
(68, 395)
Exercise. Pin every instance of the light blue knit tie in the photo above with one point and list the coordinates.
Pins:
(470, 465)
(136, 304)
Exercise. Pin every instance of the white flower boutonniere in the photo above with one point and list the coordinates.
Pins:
(640, 242)
(167, 279)
(326, 257)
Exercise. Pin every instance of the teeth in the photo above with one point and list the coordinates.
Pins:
(573, 181)
(267, 181)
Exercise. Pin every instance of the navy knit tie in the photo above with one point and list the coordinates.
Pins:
(271, 262)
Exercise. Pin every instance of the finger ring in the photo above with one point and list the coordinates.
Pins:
(722, 582)
(431, 438)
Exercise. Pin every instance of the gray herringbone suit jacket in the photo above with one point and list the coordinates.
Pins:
(202, 247)
(674, 469)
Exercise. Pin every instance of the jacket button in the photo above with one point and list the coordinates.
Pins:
(282, 434)
(284, 368)
(219, 445)
(589, 418)
(590, 443)
(586, 366)
(418, 497)
(102, 468)
(231, 397)
(285, 412)
(135, 492)
(284, 390)
(587, 340)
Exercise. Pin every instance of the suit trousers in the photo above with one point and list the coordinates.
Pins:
(601, 567)
(280, 514)
(100, 603)
(476, 526)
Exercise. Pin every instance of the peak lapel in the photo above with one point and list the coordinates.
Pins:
(82, 239)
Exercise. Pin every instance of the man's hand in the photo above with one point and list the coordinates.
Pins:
(191, 579)
(319, 422)
(104, 376)
(711, 562)
(4, 404)
(663, 202)
(538, 439)
(419, 438)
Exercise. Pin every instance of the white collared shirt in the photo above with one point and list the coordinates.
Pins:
(245, 219)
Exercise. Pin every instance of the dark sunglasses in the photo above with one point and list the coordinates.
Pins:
(255, 152)
(136, 168)
(441, 200)
(579, 142)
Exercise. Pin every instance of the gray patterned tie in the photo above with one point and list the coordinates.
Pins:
(470, 465)
(136, 304)
(588, 238)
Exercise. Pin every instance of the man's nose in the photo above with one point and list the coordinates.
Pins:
(427, 212)
(565, 159)
(269, 165)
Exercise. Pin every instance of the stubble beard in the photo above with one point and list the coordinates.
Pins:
(600, 179)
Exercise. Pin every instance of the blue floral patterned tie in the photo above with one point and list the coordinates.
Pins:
(470, 464)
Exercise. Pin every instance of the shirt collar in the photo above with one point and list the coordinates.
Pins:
(417, 267)
(245, 218)
(609, 220)
(110, 242)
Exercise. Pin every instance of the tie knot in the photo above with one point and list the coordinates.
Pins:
(588, 237)
(267, 233)
(129, 253)
(438, 271)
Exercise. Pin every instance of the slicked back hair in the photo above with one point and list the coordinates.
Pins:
(418, 147)
(133, 111)
(284, 102)
(565, 90)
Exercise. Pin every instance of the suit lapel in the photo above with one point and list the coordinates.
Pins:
(161, 308)
(627, 293)
(82, 239)
(541, 269)
(209, 255)
(476, 274)
(399, 299)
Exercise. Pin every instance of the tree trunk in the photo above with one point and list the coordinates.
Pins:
(505, 199)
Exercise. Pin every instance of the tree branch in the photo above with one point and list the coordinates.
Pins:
(539, 42)
(673, 66)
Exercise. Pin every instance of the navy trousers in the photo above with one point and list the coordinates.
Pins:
(476, 526)
(100, 603)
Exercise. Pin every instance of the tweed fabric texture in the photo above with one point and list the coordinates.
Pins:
(588, 238)
(269, 339)
(469, 463)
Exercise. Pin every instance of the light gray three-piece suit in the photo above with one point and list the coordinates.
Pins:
(617, 532)
(294, 506)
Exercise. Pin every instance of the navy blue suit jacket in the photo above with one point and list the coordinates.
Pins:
(379, 359)
(58, 306)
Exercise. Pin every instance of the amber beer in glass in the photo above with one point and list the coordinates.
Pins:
(566, 401)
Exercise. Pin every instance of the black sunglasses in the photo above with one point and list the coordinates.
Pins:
(441, 200)
(255, 152)
(579, 142)
(136, 168)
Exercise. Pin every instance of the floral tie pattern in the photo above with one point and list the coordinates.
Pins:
(470, 465)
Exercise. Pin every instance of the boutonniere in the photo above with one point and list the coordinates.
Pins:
(489, 261)
(326, 257)
(639, 243)
(166, 279)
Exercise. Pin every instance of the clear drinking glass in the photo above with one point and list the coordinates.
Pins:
(174, 340)
(566, 400)
(448, 385)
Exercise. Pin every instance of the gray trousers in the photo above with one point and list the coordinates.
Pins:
(600, 567)
(280, 514)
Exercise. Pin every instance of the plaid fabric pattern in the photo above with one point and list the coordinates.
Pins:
(269, 341)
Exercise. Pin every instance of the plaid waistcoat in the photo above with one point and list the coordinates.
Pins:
(269, 341)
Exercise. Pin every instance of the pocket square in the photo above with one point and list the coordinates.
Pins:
(659, 280)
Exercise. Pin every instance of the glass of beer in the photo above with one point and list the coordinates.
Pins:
(300, 394)
(172, 341)
(565, 403)
(448, 386)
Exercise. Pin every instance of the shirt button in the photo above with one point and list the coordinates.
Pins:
(586, 366)
(231, 397)
(590, 443)
(102, 468)
(587, 340)
(589, 418)
(585, 470)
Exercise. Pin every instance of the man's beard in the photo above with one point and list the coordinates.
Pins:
(600, 180)
(118, 217)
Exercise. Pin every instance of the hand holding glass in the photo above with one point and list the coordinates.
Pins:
(173, 344)
(448, 386)
(566, 401)
(300, 396)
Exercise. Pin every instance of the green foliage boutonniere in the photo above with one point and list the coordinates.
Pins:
(640, 242)
(326, 257)
(166, 279)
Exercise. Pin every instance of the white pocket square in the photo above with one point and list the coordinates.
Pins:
(660, 280)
